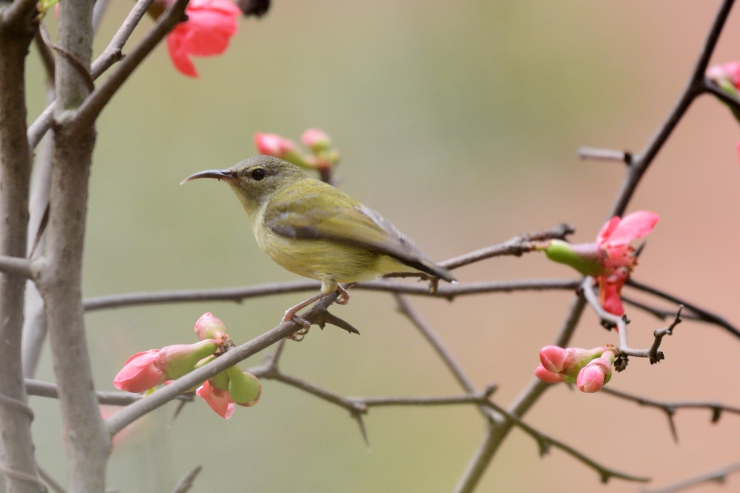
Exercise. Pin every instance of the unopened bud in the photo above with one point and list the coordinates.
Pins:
(180, 359)
(244, 388)
(316, 140)
(586, 258)
(210, 327)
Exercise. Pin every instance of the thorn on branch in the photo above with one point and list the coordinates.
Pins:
(544, 445)
(716, 414)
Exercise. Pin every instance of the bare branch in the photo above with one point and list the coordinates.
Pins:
(694, 87)
(16, 266)
(112, 53)
(49, 479)
(50, 390)
(545, 442)
(187, 481)
(516, 246)
(269, 289)
(604, 154)
(718, 476)
(96, 101)
(704, 315)
(19, 12)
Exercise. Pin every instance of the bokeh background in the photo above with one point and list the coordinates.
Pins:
(459, 121)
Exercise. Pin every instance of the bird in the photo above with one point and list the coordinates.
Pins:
(317, 231)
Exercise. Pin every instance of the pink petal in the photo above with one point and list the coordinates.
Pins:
(553, 358)
(607, 230)
(219, 400)
(139, 372)
(547, 376)
(633, 226)
(590, 379)
(180, 58)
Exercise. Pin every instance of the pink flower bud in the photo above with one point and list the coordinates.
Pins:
(180, 359)
(244, 388)
(596, 374)
(219, 400)
(547, 376)
(140, 372)
(316, 140)
(273, 145)
(210, 327)
(729, 71)
(553, 358)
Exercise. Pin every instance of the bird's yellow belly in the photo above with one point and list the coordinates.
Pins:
(326, 261)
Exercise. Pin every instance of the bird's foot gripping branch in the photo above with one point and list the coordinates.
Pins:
(146, 370)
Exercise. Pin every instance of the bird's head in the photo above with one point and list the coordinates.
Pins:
(255, 180)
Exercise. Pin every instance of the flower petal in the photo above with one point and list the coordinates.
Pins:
(219, 400)
(547, 376)
(607, 229)
(633, 226)
(178, 54)
(140, 373)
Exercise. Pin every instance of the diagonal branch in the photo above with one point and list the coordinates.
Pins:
(703, 314)
(92, 106)
(718, 476)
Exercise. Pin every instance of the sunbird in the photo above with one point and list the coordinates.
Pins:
(315, 230)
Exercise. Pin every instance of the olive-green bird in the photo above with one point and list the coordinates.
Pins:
(318, 231)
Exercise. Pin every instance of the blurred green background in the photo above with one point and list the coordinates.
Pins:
(458, 121)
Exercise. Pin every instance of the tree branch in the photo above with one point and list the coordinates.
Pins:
(89, 110)
(165, 394)
(604, 154)
(187, 481)
(269, 289)
(18, 266)
(718, 476)
(704, 315)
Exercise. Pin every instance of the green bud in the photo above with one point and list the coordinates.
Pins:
(244, 388)
(586, 258)
(180, 359)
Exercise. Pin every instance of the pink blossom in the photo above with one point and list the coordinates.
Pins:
(617, 233)
(218, 399)
(210, 25)
(140, 373)
(273, 145)
(562, 365)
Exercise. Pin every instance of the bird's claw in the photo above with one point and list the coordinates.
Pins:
(305, 324)
(343, 297)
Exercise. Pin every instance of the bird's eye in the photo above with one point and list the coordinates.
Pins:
(258, 174)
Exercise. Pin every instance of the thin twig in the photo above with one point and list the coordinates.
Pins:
(515, 246)
(50, 390)
(705, 315)
(96, 101)
(717, 91)
(718, 476)
(187, 481)
(49, 479)
(604, 154)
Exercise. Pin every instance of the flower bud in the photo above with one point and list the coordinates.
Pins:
(218, 399)
(140, 372)
(280, 147)
(563, 365)
(547, 376)
(210, 327)
(180, 359)
(596, 374)
(586, 258)
(316, 140)
(244, 388)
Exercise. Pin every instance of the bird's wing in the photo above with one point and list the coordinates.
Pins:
(347, 222)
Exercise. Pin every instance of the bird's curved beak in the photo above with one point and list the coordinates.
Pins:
(219, 174)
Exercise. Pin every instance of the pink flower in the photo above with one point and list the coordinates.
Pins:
(596, 374)
(147, 369)
(273, 145)
(140, 373)
(726, 71)
(547, 376)
(210, 25)
(218, 399)
(617, 233)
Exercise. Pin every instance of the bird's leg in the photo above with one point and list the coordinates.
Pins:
(290, 316)
(343, 297)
